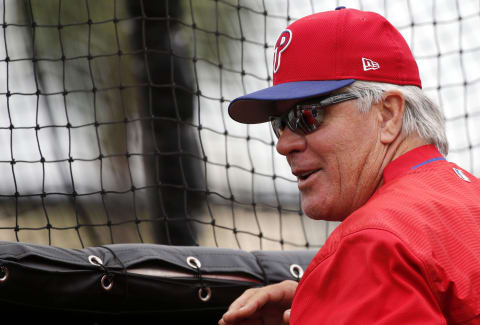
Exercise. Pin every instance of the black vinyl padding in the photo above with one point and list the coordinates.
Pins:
(62, 284)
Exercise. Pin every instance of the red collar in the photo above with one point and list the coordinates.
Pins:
(411, 160)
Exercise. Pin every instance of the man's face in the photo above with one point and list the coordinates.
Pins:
(338, 165)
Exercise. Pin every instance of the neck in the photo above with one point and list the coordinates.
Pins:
(400, 146)
(408, 143)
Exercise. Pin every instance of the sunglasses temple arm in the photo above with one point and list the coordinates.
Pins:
(338, 99)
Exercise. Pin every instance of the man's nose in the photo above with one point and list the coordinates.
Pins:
(290, 142)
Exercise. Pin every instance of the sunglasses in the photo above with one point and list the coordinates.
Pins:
(307, 116)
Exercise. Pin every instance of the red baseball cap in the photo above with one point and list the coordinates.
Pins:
(326, 51)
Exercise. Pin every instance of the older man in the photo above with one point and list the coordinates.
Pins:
(367, 147)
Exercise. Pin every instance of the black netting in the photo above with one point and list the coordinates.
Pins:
(113, 122)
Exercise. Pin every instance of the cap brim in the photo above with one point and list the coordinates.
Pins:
(258, 106)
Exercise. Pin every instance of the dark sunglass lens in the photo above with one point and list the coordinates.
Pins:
(311, 118)
(278, 125)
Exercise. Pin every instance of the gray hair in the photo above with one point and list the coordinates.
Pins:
(421, 115)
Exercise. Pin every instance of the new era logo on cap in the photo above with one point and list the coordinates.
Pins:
(369, 64)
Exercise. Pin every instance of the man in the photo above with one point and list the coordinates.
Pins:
(367, 147)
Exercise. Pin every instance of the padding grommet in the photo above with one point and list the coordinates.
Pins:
(107, 279)
(194, 262)
(4, 273)
(297, 271)
(204, 294)
(95, 260)
(107, 282)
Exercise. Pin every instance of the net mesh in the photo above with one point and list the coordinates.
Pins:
(113, 122)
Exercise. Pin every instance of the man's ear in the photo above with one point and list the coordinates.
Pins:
(390, 113)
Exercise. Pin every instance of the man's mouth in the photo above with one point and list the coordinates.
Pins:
(307, 174)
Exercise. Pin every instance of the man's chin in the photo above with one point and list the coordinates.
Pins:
(315, 213)
(326, 218)
(320, 212)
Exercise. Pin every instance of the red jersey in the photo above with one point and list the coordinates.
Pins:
(410, 255)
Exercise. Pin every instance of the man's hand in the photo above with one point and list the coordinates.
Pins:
(268, 305)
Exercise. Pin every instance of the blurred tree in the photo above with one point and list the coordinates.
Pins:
(176, 166)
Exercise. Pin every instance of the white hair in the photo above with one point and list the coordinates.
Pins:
(422, 115)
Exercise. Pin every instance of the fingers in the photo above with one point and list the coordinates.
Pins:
(243, 322)
(246, 305)
(250, 304)
(243, 299)
(286, 317)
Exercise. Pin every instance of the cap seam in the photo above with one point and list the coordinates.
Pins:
(398, 55)
(336, 52)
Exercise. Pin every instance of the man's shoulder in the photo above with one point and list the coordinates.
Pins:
(434, 214)
(421, 208)
(426, 200)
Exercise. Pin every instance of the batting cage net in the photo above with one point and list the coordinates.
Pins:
(114, 129)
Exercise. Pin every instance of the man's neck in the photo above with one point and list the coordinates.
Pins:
(400, 146)
(408, 143)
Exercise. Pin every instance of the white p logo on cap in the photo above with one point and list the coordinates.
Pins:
(282, 43)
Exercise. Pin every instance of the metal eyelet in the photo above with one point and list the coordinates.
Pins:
(3, 273)
(194, 262)
(204, 294)
(107, 282)
(297, 271)
(95, 260)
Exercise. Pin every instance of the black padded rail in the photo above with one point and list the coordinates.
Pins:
(122, 281)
